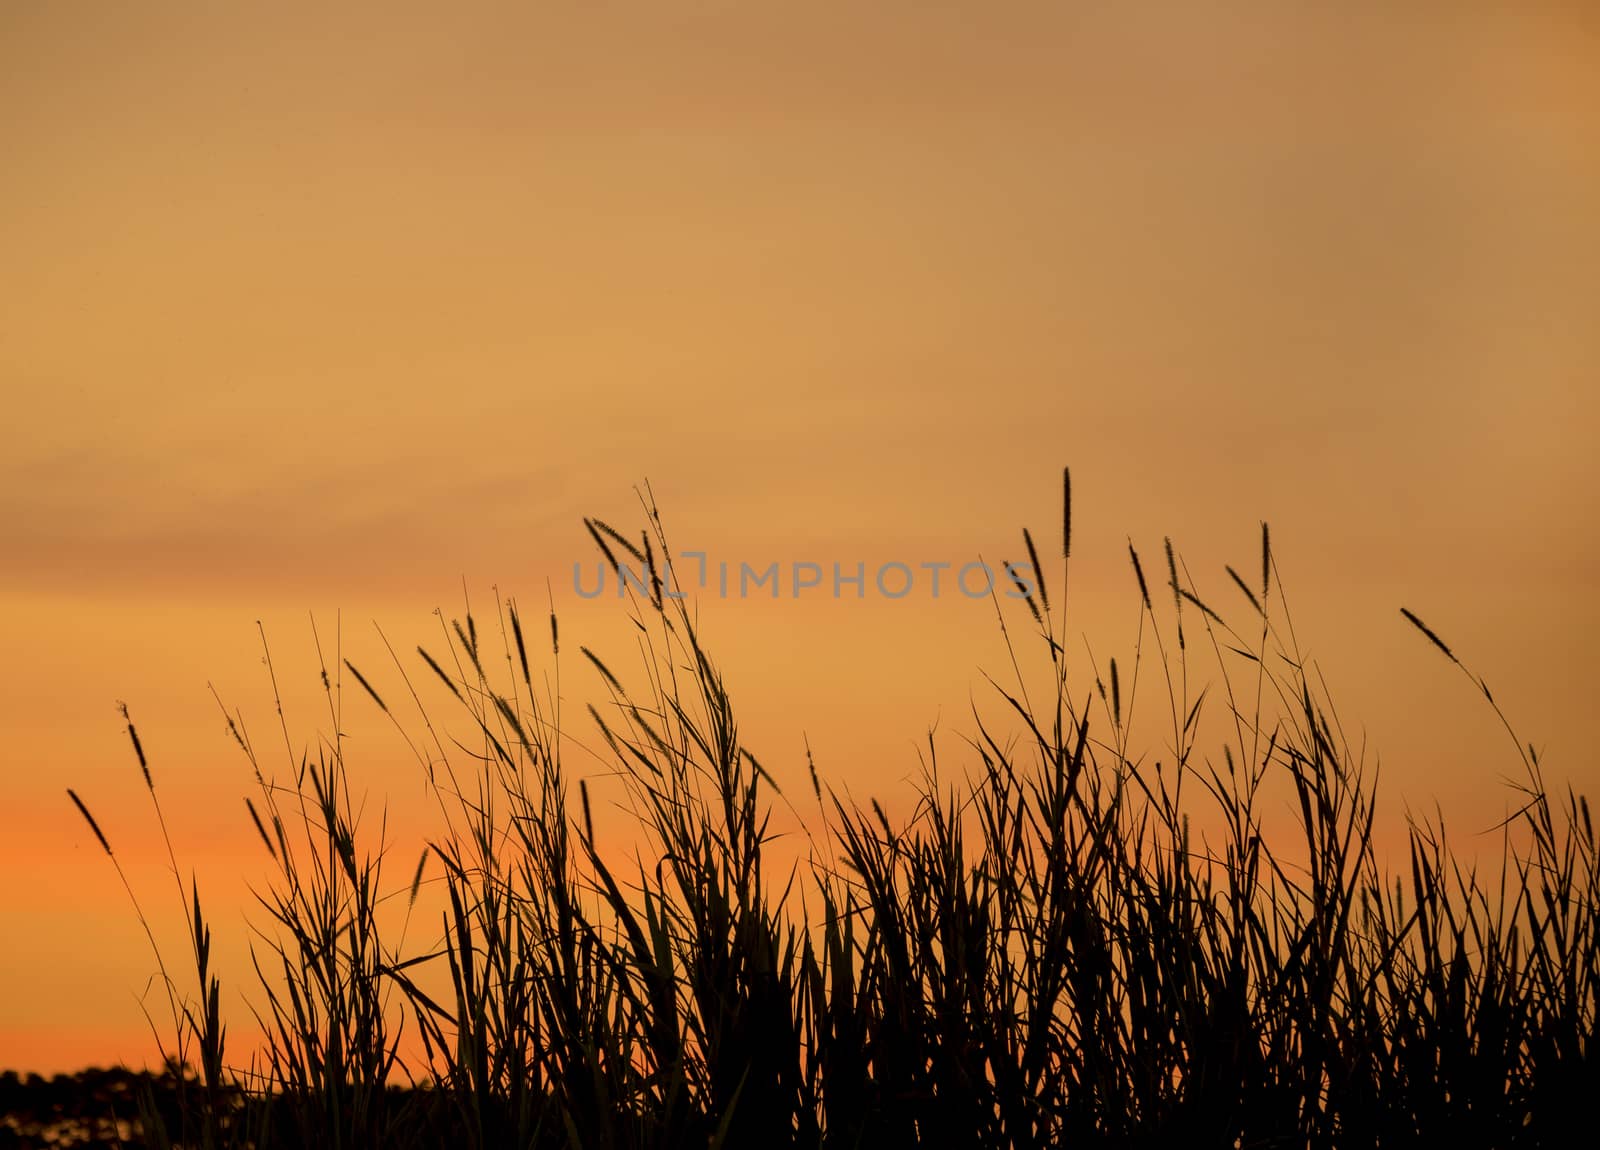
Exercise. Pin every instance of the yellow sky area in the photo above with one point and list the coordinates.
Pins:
(329, 311)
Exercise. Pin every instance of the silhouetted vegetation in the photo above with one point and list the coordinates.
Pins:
(92, 1108)
(1073, 941)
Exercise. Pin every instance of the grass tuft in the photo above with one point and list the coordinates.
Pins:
(1070, 941)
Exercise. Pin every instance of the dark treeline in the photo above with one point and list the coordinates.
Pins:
(84, 1109)
(117, 1107)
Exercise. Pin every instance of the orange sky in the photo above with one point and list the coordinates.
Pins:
(316, 311)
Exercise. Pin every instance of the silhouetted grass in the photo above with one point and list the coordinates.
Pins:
(1074, 942)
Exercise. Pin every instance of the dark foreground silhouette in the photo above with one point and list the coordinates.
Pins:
(1097, 930)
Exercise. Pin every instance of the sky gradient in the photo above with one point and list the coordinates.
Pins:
(309, 311)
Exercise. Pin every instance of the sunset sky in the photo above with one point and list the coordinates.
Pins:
(334, 309)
